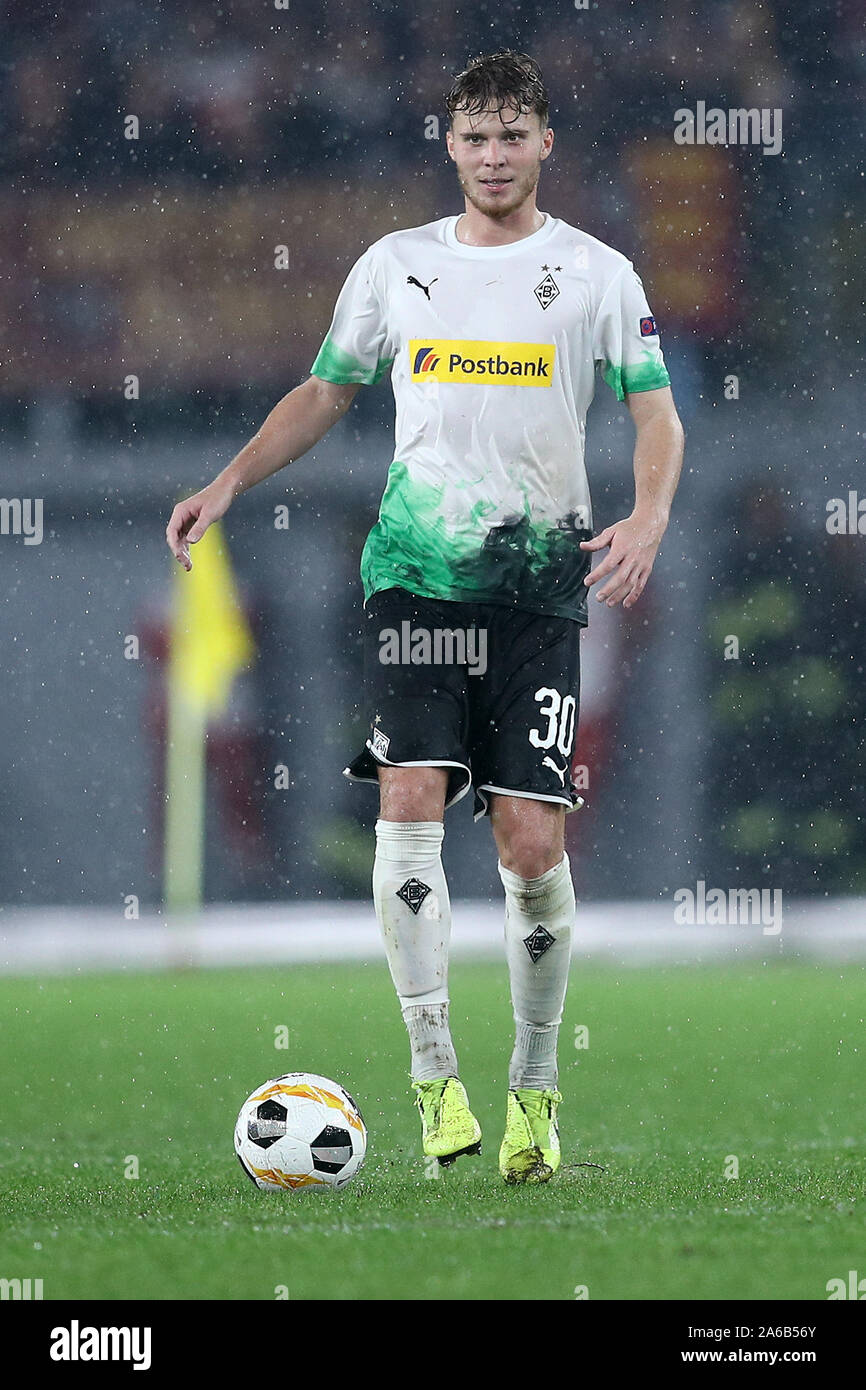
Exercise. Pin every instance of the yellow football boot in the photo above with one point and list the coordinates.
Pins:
(449, 1127)
(530, 1149)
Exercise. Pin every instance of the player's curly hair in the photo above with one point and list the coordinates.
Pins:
(499, 79)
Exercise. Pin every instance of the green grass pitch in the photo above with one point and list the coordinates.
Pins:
(686, 1070)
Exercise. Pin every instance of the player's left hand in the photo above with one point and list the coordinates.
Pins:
(633, 543)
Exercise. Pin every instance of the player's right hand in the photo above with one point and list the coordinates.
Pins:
(191, 518)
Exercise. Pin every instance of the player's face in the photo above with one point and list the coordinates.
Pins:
(498, 157)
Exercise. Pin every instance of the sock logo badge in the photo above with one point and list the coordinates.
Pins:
(538, 942)
(413, 893)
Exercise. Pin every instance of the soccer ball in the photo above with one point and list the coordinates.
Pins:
(300, 1130)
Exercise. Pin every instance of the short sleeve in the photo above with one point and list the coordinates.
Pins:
(626, 340)
(356, 347)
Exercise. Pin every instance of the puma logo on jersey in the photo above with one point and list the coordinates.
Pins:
(410, 280)
(488, 364)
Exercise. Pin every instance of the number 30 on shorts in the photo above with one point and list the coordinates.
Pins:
(560, 713)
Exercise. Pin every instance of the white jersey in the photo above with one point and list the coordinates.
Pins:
(493, 352)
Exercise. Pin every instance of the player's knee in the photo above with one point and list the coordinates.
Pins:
(530, 835)
(412, 793)
(530, 852)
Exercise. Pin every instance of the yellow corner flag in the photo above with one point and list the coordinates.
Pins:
(210, 642)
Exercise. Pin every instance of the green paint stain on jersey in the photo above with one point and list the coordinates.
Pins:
(333, 364)
(648, 375)
(521, 562)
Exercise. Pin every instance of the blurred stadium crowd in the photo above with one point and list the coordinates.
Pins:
(308, 126)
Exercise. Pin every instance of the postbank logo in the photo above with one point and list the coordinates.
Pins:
(484, 363)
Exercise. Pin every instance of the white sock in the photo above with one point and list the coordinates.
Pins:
(410, 896)
(539, 914)
(433, 1052)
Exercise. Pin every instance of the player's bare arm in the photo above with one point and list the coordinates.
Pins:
(633, 542)
(295, 424)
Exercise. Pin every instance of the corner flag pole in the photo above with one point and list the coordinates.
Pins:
(210, 642)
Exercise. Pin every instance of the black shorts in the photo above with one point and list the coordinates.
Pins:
(489, 691)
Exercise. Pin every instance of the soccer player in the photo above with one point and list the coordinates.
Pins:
(476, 574)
